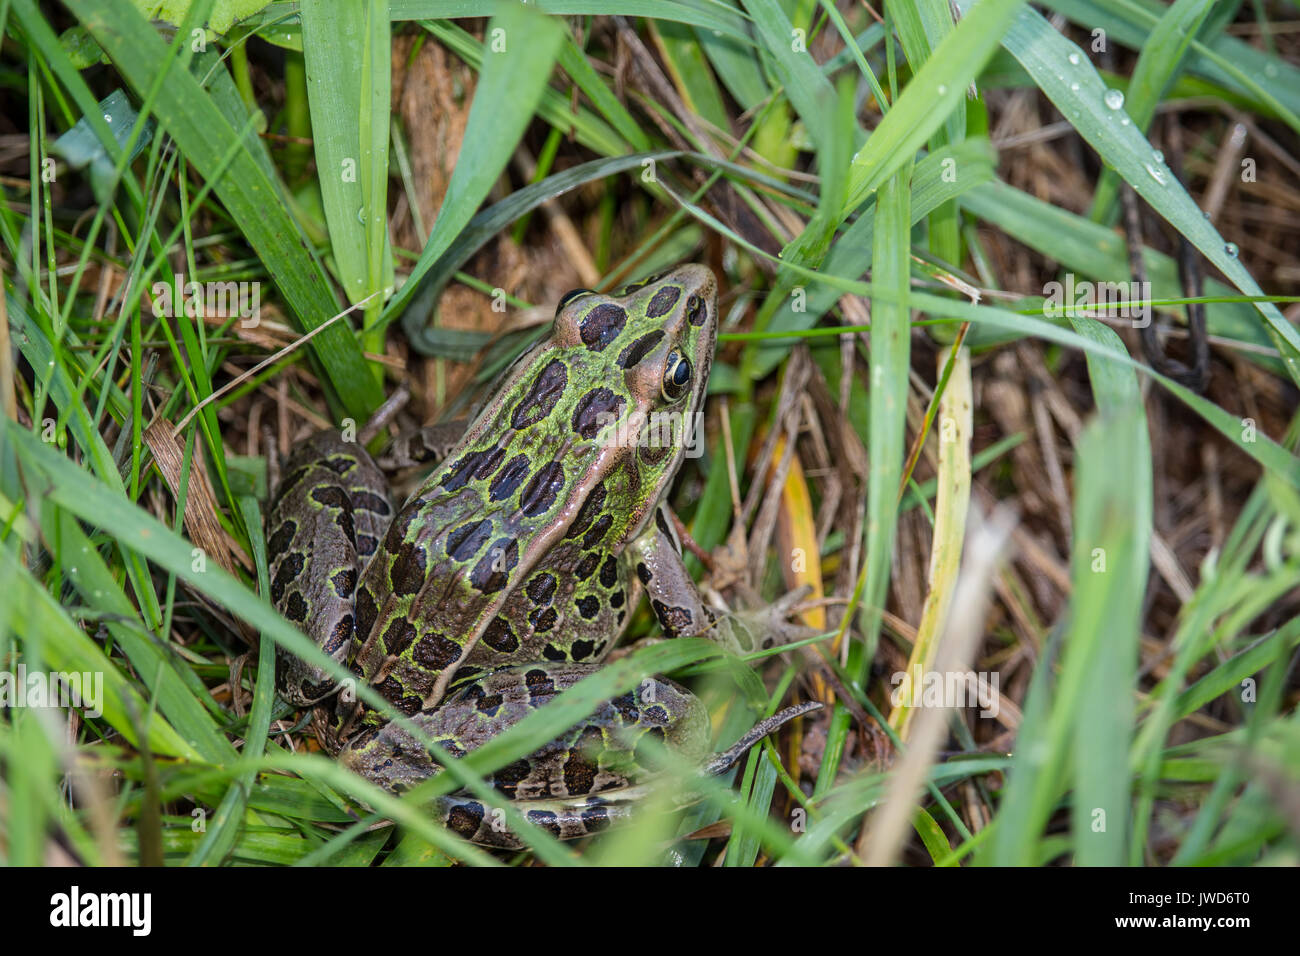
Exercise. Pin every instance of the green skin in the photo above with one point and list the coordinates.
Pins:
(509, 574)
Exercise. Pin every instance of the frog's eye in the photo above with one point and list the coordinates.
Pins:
(677, 375)
(569, 297)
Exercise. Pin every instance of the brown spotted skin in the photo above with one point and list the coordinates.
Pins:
(541, 482)
(328, 517)
(607, 751)
(509, 574)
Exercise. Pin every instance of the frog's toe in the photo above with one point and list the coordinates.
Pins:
(770, 626)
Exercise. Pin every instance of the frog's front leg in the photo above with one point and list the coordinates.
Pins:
(656, 558)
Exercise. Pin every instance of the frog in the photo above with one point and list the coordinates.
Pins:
(510, 572)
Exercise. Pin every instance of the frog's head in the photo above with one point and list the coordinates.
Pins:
(647, 353)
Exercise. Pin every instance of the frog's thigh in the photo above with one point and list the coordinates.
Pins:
(656, 557)
(327, 518)
(605, 751)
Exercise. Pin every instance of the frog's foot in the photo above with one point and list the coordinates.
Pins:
(763, 628)
(424, 446)
(721, 762)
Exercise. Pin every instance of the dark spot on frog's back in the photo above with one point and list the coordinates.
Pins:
(652, 454)
(465, 818)
(663, 301)
(595, 819)
(286, 573)
(588, 607)
(543, 619)
(436, 652)
(597, 531)
(281, 539)
(295, 609)
(587, 566)
(401, 524)
(489, 704)
(331, 496)
(542, 489)
(462, 470)
(334, 497)
(609, 572)
(587, 513)
(581, 650)
(579, 774)
(602, 325)
(540, 685)
(546, 819)
(340, 464)
(407, 574)
(508, 778)
(467, 540)
(492, 572)
(344, 582)
(367, 611)
(398, 636)
(392, 691)
(490, 462)
(541, 588)
(500, 636)
(369, 501)
(509, 478)
(339, 634)
(542, 395)
(596, 409)
(639, 349)
(696, 312)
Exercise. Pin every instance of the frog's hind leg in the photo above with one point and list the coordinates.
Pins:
(328, 516)
(600, 751)
(563, 818)
(569, 818)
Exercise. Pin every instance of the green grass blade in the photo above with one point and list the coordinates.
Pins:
(933, 93)
(349, 118)
(1079, 92)
(520, 49)
(187, 112)
(891, 332)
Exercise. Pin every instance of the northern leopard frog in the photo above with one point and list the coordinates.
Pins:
(509, 573)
